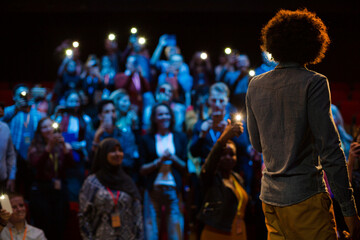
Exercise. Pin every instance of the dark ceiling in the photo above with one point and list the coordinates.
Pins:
(32, 30)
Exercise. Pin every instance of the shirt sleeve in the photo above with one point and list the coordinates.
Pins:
(328, 144)
(86, 209)
(252, 127)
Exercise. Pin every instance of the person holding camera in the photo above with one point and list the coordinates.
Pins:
(22, 120)
(108, 129)
(49, 157)
(225, 199)
(201, 70)
(17, 226)
(181, 81)
(206, 132)
(133, 81)
(76, 128)
(168, 42)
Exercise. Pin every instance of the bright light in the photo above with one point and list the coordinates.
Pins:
(69, 52)
(142, 40)
(269, 56)
(133, 30)
(2, 197)
(23, 93)
(227, 50)
(203, 56)
(55, 125)
(76, 44)
(238, 117)
(111, 37)
(252, 73)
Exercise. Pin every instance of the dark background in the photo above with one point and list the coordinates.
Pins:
(33, 29)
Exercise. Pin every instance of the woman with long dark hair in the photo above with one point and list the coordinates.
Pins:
(163, 157)
(110, 205)
(49, 157)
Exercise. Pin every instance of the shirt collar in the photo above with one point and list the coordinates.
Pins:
(10, 225)
(289, 65)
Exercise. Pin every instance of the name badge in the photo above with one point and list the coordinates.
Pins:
(27, 138)
(115, 220)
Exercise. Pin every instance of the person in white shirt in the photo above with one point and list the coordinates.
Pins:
(17, 227)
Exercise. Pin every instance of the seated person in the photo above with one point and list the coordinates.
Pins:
(17, 227)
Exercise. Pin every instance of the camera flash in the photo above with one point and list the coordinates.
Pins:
(227, 50)
(238, 117)
(23, 93)
(252, 73)
(55, 125)
(2, 197)
(142, 40)
(111, 37)
(75, 44)
(133, 30)
(69, 52)
(203, 56)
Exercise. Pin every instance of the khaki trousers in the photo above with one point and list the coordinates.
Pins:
(308, 220)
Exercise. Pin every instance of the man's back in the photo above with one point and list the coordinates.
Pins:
(289, 121)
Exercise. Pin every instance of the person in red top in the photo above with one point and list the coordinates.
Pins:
(133, 82)
(49, 157)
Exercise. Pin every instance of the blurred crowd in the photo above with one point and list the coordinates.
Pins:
(124, 146)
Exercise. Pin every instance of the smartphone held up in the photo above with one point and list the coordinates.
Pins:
(5, 203)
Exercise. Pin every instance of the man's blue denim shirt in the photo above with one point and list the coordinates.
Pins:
(290, 122)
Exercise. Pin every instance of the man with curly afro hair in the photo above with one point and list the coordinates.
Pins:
(290, 122)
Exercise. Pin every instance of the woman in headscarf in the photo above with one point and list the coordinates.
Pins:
(110, 205)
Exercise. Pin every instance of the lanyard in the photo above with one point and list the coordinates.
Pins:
(240, 193)
(26, 123)
(214, 136)
(12, 235)
(56, 163)
(112, 195)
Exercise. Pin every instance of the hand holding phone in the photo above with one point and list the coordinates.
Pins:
(5, 203)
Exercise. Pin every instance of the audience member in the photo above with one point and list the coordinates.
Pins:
(7, 157)
(108, 129)
(201, 70)
(225, 199)
(22, 120)
(77, 131)
(50, 157)
(126, 116)
(110, 204)
(18, 228)
(180, 81)
(133, 82)
(163, 157)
